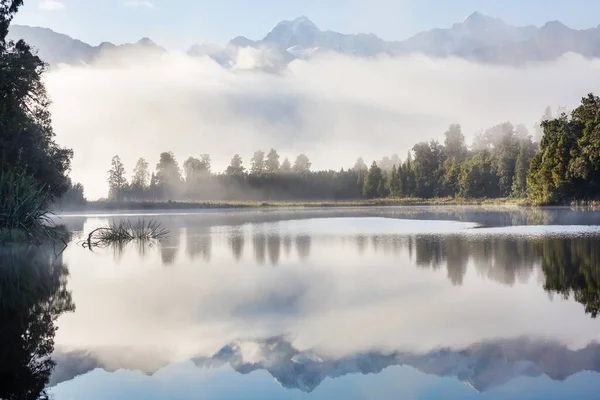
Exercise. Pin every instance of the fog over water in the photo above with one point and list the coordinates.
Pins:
(333, 108)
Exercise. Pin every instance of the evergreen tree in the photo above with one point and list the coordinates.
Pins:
(361, 170)
(286, 166)
(168, 175)
(117, 182)
(409, 177)
(235, 167)
(393, 184)
(373, 182)
(506, 150)
(526, 153)
(257, 164)
(272, 163)
(401, 181)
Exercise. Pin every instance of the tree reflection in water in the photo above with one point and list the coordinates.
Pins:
(33, 295)
(572, 268)
(570, 264)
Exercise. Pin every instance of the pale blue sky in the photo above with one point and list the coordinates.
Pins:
(180, 23)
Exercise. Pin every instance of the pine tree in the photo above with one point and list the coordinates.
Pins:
(272, 162)
(409, 173)
(394, 185)
(373, 182)
(286, 166)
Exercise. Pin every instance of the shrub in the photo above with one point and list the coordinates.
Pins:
(23, 206)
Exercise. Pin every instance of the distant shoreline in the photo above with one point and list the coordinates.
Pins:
(187, 205)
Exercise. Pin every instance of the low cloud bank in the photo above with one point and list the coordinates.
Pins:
(333, 108)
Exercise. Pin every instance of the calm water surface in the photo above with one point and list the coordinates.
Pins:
(382, 303)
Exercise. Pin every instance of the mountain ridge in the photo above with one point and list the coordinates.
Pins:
(477, 37)
(482, 366)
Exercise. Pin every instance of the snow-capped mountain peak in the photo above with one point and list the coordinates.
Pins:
(478, 37)
(301, 31)
(298, 24)
(477, 21)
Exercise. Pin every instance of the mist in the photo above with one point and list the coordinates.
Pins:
(334, 108)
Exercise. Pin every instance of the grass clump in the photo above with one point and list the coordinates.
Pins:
(24, 212)
(123, 232)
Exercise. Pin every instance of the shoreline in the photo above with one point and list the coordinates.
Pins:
(189, 205)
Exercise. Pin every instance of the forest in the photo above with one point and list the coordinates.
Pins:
(557, 164)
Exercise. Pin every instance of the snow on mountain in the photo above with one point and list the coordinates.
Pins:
(482, 366)
(477, 37)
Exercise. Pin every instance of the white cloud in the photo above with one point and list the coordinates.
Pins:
(51, 5)
(139, 3)
(333, 108)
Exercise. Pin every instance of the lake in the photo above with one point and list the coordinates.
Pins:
(350, 303)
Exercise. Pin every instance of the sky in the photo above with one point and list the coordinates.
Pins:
(178, 24)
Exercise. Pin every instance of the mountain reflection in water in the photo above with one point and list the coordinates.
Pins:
(309, 299)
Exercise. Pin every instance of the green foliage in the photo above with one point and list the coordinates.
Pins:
(373, 186)
(409, 184)
(477, 178)
(26, 137)
(450, 180)
(24, 205)
(503, 162)
(527, 151)
(393, 184)
(74, 197)
(428, 162)
(568, 165)
(572, 268)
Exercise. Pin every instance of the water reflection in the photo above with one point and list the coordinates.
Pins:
(33, 295)
(236, 243)
(349, 296)
(199, 245)
(572, 267)
(169, 247)
(482, 365)
(571, 264)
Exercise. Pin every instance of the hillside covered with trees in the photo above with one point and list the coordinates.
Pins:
(562, 165)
